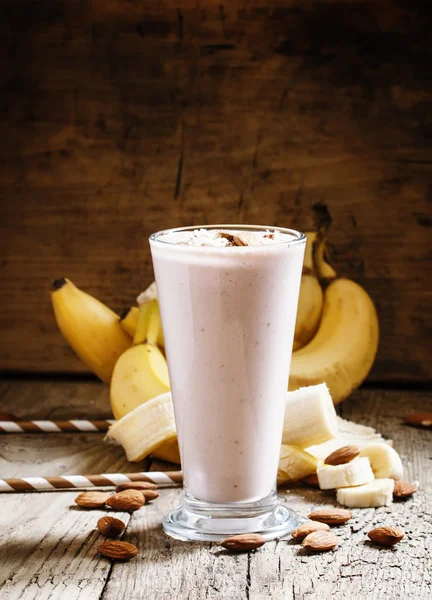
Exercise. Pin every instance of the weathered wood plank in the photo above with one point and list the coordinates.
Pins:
(283, 570)
(121, 118)
(54, 399)
(48, 547)
(358, 569)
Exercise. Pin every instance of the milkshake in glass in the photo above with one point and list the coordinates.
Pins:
(228, 298)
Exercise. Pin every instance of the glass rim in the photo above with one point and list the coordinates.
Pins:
(299, 237)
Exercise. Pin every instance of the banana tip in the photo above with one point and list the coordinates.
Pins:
(57, 284)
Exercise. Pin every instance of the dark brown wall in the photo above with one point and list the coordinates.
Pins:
(123, 117)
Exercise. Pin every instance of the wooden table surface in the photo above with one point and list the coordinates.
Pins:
(48, 544)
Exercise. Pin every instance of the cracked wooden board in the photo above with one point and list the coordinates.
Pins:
(48, 550)
(48, 544)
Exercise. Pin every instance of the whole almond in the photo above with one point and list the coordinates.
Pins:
(149, 495)
(126, 500)
(331, 516)
(403, 489)
(92, 499)
(386, 536)
(309, 527)
(244, 541)
(419, 419)
(118, 550)
(311, 480)
(320, 541)
(110, 526)
(136, 485)
(342, 455)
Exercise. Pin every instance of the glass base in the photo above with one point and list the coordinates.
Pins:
(207, 522)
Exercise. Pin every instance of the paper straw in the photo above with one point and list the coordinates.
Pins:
(67, 482)
(54, 426)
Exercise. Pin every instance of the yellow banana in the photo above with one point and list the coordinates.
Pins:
(141, 373)
(324, 270)
(295, 463)
(310, 298)
(91, 328)
(343, 350)
(129, 320)
(147, 427)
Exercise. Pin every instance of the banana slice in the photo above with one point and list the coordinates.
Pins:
(295, 463)
(384, 460)
(356, 472)
(372, 495)
(145, 428)
(310, 417)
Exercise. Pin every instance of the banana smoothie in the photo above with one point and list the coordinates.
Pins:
(228, 298)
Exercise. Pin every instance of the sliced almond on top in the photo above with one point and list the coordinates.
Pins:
(386, 536)
(331, 516)
(309, 527)
(342, 455)
(320, 541)
(240, 240)
(403, 489)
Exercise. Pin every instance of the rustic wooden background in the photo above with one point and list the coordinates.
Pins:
(120, 117)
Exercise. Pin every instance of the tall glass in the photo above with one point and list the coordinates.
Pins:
(228, 315)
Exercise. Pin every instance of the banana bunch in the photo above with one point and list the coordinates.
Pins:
(91, 328)
(336, 333)
(340, 345)
(336, 339)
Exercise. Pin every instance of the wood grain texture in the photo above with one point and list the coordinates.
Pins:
(48, 549)
(120, 118)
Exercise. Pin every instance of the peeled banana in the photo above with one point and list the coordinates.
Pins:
(150, 428)
(372, 495)
(145, 428)
(129, 318)
(140, 374)
(310, 299)
(348, 433)
(343, 350)
(384, 460)
(295, 463)
(91, 328)
(310, 417)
